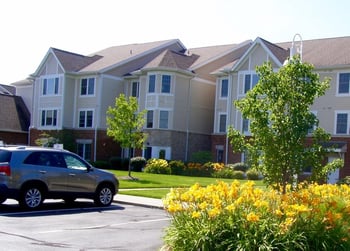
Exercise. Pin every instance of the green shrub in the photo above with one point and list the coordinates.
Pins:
(118, 163)
(199, 170)
(239, 175)
(137, 163)
(177, 167)
(201, 157)
(252, 174)
(158, 166)
(240, 166)
(225, 173)
(102, 164)
(344, 181)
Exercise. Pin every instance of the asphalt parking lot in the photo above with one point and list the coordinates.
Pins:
(81, 226)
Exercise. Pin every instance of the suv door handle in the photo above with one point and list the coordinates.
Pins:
(72, 174)
(41, 171)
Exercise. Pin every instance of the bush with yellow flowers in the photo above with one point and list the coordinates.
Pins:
(244, 217)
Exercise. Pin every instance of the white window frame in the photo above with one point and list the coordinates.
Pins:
(338, 83)
(170, 83)
(49, 88)
(219, 123)
(135, 84)
(150, 121)
(86, 118)
(87, 94)
(149, 82)
(84, 144)
(167, 119)
(245, 132)
(347, 112)
(221, 89)
(54, 118)
(242, 89)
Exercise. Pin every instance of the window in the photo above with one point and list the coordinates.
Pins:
(250, 80)
(49, 118)
(45, 159)
(85, 118)
(84, 150)
(87, 86)
(135, 89)
(245, 125)
(50, 86)
(224, 88)
(313, 126)
(74, 163)
(163, 119)
(166, 80)
(344, 82)
(151, 83)
(342, 123)
(222, 125)
(149, 119)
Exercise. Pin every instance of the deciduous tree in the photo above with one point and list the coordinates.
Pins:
(280, 120)
(125, 123)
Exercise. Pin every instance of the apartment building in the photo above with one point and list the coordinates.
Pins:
(330, 57)
(188, 94)
(72, 92)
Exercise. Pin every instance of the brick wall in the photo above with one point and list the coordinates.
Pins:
(14, 138)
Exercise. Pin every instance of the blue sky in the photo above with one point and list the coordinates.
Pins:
(30, 28)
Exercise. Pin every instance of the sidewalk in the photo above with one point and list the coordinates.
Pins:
(138, 201)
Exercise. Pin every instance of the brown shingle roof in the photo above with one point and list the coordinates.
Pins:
(72, 62)
(14, 115)
(116, 54)
(280, 53)
(172, 59)
(325, 52)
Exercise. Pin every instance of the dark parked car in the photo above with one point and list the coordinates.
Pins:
(32, 174)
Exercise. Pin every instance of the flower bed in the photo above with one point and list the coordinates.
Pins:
(243, 217)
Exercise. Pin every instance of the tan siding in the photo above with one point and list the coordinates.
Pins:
(68, 105)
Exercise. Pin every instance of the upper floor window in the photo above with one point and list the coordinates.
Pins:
(344, 83)
(87, 86)
(149, 120)
(224, 88)
(163, 119)
(48, 117)
(250, 80)
(245, 126)
(86, 118)
(151, 83)
(313, 126)
(166, 81)
(342, 123)
(50, 86)
(222, 121)
(135, 89)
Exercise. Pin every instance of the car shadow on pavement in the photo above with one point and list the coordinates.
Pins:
(55, 208)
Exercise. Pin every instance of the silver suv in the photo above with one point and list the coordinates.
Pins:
(32, 174)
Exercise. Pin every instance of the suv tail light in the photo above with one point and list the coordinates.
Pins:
(5, 170)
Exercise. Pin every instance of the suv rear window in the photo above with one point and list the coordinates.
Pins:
(5, 156)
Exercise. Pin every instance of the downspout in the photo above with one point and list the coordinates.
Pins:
(229, 110)
(98, 112)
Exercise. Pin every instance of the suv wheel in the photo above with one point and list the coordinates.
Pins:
(32, 197)
(104, 195)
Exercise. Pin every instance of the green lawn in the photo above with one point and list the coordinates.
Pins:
(158, 185)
